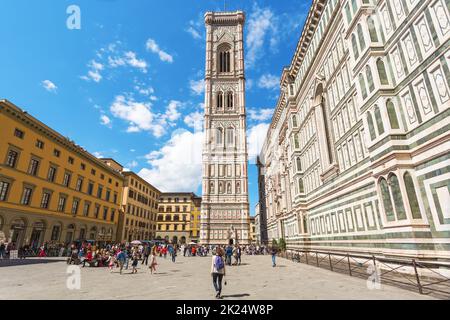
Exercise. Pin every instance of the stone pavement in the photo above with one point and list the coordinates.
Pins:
(189, 278)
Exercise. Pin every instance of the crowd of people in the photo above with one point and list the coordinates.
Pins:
(125, 257)
(48, 249)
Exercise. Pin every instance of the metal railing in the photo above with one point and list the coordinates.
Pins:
(432, 278)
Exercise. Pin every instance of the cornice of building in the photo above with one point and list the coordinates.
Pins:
(142, 180)
(225, 18)
(307, 34)
(31, 121)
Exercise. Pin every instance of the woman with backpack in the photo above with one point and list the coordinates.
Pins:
(218, 271)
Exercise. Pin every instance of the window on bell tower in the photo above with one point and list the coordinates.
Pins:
(220, 100)
(230, 102)
(224, 59)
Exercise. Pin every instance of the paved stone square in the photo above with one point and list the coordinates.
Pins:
(189, 278)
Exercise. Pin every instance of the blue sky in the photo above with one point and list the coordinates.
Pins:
(128, 84)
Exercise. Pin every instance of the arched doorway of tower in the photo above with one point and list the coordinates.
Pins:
(175, 239)
(37, 235)
(167, 238)
(17, 232)
(183, 240)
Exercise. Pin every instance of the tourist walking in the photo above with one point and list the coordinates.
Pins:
(218, 271)
(274, 256)
(121, 258)
(229, 254)
(147, 251)
(135, 262)
(112, 262)
(238, 255)
(153, 263)
(2, 250)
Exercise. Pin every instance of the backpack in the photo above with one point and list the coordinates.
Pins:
(218, 263)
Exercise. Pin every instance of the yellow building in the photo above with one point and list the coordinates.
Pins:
(195, 218)
(140, 203)
(176, 212)
(50, 188)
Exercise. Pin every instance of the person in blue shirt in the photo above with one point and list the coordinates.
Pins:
(229, 254)
(121, 258)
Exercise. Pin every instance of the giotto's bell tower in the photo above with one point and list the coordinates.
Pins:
(225, 207)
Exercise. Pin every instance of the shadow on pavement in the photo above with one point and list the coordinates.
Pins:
(28, 261)
(240, 295)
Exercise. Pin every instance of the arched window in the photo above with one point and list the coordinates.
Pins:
(398, 199)
(229, 191)
(238, 187)
(230, 136)
(382, 72)
(305, 224)
(230, 102)
(294, 121)
(296, 142)
(412, 196)
(392, 114)
(362, 84)
(220, 187)
(224, 59)
(211, 188)
(362, 43)
(370, 78)
(220, 100)
(372, 29)
(379, 121)
(301, 188)
(371, 127)
(299, 164)
(355, 47)
(387, 201)
(219, 136)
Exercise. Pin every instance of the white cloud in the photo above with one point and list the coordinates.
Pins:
(194, 33)
(198, 87)
(133, 61)
(145, 91)
(261, 22)
(172, 113)
(269, 81)
(98, 154)
(133, 164)
(105, 120)
(154, 47)
(194, 27)
(194, 120)
(177, 166)
(140, 116)
(255, 140)
(260, 114)
(49, 86)
(94, 72)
